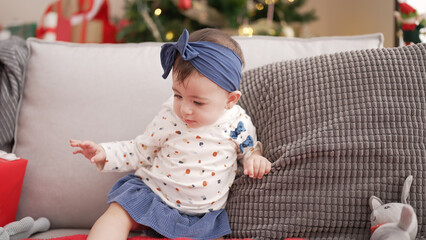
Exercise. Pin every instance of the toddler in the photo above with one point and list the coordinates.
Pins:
(185, 161)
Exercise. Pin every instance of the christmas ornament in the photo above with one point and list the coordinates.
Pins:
(410, 21)
(184, 4)
(205, 14)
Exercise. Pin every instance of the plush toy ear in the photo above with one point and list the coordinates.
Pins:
(374, 202)
(406, 217)
(406, 189)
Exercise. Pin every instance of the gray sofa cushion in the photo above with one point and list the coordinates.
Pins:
(338, 129)
(13, 57)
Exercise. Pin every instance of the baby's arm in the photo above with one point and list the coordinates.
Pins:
(256, 165)
(250, 150)
(90, 150)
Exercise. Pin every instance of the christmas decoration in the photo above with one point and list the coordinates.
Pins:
(285, 20)
(184, 4)
(410, 22)
(77, 21)
(164, 20)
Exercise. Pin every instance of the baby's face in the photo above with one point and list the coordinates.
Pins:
(198, 101)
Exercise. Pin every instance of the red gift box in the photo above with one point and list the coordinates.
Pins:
(11, 178)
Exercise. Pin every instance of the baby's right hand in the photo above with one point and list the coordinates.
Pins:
(92, 151)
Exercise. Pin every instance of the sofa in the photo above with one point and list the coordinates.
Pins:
(340, 118)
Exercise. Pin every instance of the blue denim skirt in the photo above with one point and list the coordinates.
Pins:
(147, 209)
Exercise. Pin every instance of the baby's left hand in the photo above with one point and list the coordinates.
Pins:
(256, 166)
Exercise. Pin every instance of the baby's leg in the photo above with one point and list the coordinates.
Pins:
(114, 224)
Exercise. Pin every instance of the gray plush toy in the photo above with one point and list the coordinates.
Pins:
(395, 218)
(23, 228)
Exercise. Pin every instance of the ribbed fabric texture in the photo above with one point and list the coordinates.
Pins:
(146, 208)
(338, 128)
(13, 57)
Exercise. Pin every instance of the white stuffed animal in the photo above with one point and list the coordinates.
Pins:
(398, 230)
(390, 215)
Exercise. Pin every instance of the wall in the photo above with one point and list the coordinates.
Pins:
(350, 17)
(336, 17)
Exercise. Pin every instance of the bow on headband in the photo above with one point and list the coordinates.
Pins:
(218, 63)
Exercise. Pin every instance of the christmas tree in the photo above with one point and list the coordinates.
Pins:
(164, 20)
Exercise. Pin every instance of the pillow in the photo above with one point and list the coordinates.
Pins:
(261, 50)
(12, 174)
(13, 57)
(99, 92)
(338, 128)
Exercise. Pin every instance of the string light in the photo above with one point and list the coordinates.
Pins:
(259, 6)
(157, 12)
(169, 36)
(245, 30)
(267, 2)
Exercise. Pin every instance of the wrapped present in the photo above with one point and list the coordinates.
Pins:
(83, 21)
(12, 171)
(93, 30)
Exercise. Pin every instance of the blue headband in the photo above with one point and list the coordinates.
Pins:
(218, 63)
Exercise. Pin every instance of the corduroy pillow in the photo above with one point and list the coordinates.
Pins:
(338, 128)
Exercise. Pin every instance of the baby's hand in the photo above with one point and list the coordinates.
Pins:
(256, 165)
(92, 151)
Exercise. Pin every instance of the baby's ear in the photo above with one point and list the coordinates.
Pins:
(233, 98)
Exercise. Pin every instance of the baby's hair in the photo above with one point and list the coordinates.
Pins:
(183, 68)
